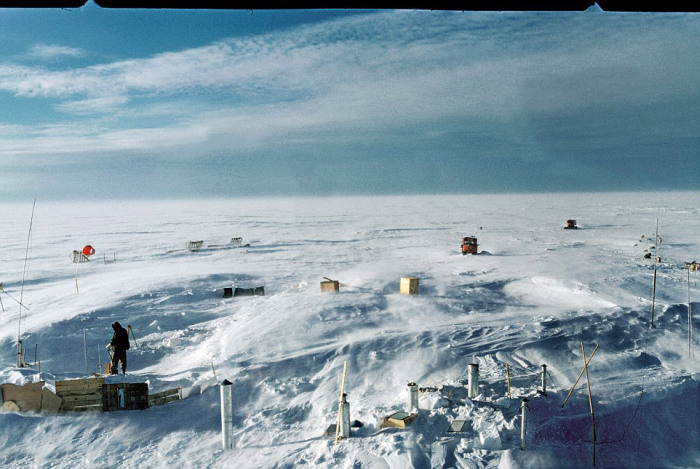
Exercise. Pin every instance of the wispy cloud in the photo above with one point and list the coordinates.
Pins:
(49, 52)
(513, 79)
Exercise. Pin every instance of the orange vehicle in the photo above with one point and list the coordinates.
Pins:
(469, 245)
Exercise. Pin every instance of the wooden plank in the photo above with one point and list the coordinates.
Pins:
(78, 392)
(50, 402)
(84, 408)
(78, 386)
(168, 392)
(87, 399)
(163, 400)
(79, 381)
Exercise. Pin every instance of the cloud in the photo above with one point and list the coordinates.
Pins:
(47, 52)
(522, 86)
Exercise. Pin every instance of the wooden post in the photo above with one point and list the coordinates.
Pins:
(508, 378)
(132, 334)
(579, 376)
(226, 415)
(87, 370)
(590, 398)
(340, 403)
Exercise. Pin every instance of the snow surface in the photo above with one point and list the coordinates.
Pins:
(533, 295)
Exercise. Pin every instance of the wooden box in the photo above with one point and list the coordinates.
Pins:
(330, 285)
(409, 286)
(125, 396)
(80, 394)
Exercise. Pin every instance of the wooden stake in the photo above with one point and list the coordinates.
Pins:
(340, 403)
(579, 376)
(590, 398)
(508, 377)
(129, 329)
(85, 346)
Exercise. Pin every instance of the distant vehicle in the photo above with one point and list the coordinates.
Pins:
(469, 245)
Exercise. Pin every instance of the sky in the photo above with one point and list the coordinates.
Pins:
(100, 103)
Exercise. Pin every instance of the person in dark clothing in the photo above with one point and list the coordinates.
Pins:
(119, 346)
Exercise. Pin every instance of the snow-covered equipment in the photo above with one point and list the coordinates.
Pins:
(237, 241)
(194, 245)
(399, 419)
(226, 415)
(470, 245)
(330, 285)
(344, 417)
(571, 225)
(473, 380)
(257, 291)
(412, 397)
(409, 286)
(78, 257)
(457, 426)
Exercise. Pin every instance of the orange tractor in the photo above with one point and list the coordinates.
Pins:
(469, 245)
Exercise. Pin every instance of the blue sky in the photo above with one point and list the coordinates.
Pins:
(99, 103)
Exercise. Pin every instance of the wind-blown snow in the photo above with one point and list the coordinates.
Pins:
(532, 296)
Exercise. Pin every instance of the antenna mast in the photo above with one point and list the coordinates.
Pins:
(656, 258)
(20, 362)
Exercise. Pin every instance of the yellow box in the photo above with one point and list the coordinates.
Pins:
(409, 285)
(330, 285)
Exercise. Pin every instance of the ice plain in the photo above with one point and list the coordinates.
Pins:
(533, 296)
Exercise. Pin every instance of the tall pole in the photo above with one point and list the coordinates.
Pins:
(653, 289)
(690, 320)
(226, 415)
(340, 404)
(21, 292)
(590, 398)
(87, 370)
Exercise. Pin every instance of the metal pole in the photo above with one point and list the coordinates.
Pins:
(690, 322)
(345, 418)
(523, 422)
(656, 258)
(544, 379)
(473, 380)
(226, 415)
(412, 397)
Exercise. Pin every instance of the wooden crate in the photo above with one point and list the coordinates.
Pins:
(124, 396)
(80, 395)
(409, 286)
(330, 286)
(398, 420)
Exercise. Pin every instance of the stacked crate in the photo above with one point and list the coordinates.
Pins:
(124, 396)
(80, 395)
